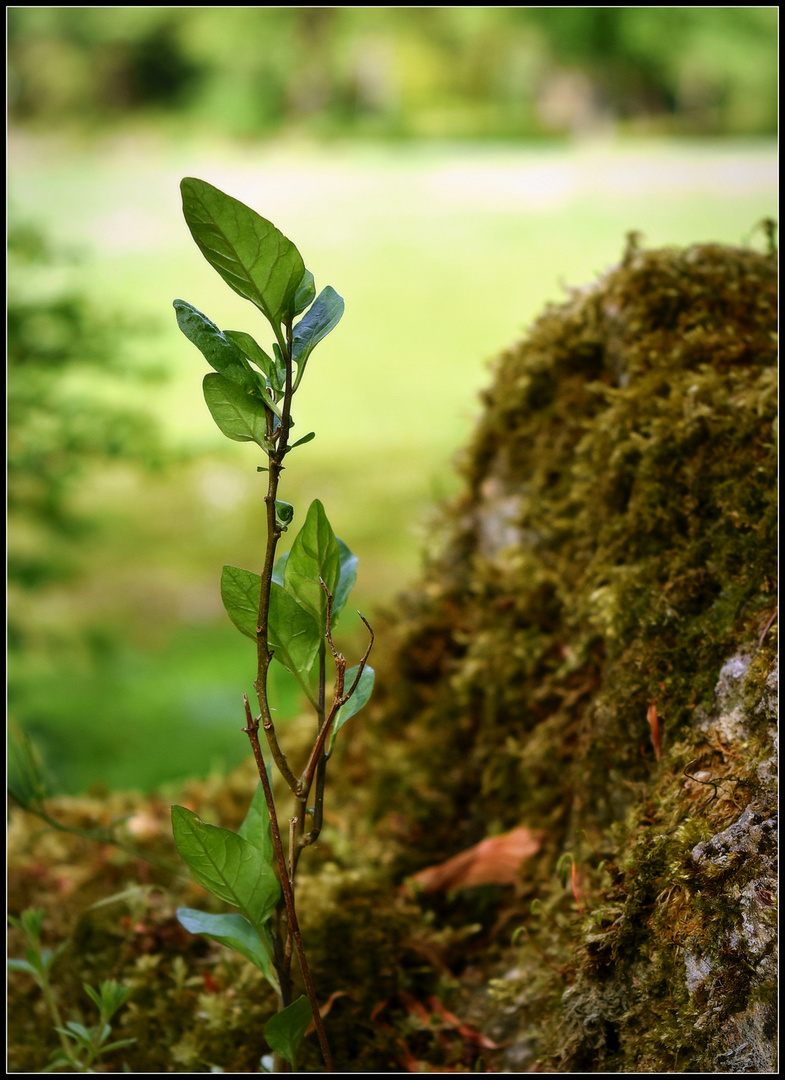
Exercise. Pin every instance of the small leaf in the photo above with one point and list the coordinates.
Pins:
(78, 1032)
(23, 965)
(250, 254)
(355, 702)
(280, 367)
(236, 933)
(30, 923)
(284, 512)
(285, 1031)
(347, 576)
(279, 569)
(118, 1044)
(59, 1061)
(240, 594)
(39, 960)
(256, 827)
(292, 632)
(109, 997)
(24, 773)
(313, 555)
(219, 351)
(254, 352)
(229, 866)
(316, 324)
(106, 1031)
(305, 439)
(306, 291)
(239, 416)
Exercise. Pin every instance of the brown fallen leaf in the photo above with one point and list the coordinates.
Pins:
(324, 1009)
(495, 861)
(467, 1033)
(654, 724)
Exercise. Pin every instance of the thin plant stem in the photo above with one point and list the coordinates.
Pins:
(274, 531)
(252, 730)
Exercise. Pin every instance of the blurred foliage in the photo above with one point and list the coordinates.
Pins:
(405, 72)
(100, 514)
(67, 368)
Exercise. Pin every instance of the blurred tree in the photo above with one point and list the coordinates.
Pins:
(61, 356)
(708, 69)
(463, 71)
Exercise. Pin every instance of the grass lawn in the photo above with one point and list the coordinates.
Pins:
(443, 254)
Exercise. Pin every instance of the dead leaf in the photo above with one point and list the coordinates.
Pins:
(495, 861)
(324, 1009)
(654, 724)
(467, 1033)
(415, 1008)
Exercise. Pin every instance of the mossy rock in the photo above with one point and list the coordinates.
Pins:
(613, 552)
(590, 656)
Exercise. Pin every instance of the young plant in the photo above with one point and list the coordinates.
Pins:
(81, 1047)
(289, 609)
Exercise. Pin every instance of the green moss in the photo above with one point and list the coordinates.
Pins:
(612, 547)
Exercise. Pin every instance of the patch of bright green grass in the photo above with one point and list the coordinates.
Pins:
(443, 254)
(134, 719)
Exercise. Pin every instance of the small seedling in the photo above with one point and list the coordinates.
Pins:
(81, 1047)
(289, 609)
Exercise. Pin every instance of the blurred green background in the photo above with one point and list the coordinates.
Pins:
(448, 170)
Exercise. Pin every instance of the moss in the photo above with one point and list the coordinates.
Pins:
(613, 547)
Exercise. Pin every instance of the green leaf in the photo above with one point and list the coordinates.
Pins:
(236, 933)
(285, 1031)
(256, 827)
(256, 354)
(240, 594)
(306, 291)
(219, 351)
(117, 1045)
(313, 555)
(229, 866)
(24, 776)
(355, 702)
(23, 965)
(78, 1032)
(284, 512)
(346, 579)
(30, 923)
(59, 1062)
(316, 324)
(109, 997)
(250, 254)
(280, 367)
(240, 417)
(292, 632)
(279, 569)
(305, 439)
